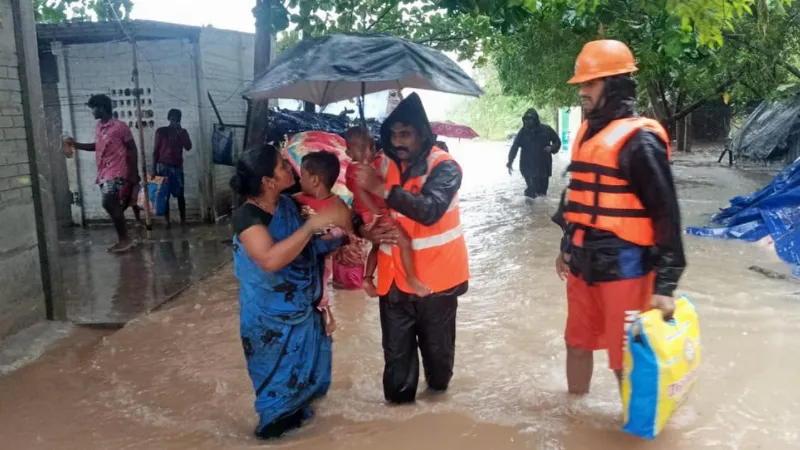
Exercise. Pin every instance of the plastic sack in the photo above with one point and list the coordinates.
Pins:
(222, 146)
(159, 195)
(661, 360)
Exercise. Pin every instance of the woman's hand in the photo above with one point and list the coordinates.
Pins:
(328, 218)
(382, 233)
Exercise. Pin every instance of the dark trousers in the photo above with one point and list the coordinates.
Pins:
(407, 323)
(537, 184)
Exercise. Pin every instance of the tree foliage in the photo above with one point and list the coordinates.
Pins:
(687, 50)
(421, 21)
(495, 115)
(54, 11)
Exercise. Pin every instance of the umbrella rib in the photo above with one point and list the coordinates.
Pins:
(325, 93)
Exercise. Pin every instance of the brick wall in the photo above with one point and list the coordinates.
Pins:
(21, 295)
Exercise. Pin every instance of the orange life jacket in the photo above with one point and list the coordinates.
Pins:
(598, 194)
(439, 250)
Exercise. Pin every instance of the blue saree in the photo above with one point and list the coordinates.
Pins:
(288, 355)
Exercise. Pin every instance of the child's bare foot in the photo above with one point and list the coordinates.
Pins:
(369, 288)
(420, 289)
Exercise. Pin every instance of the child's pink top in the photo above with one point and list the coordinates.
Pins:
(358, 203)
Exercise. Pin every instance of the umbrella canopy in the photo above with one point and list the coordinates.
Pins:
(453, 130)
(307, 142)
(328, 69)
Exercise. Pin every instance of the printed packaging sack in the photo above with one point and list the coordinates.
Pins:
(661, 360)
(159, 195)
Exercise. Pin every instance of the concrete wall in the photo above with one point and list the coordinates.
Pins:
(166, 71)
(174, 73)
(21, 291)
(227, 66)
(53, 131)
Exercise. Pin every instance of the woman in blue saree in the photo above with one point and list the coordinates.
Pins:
(279, 262)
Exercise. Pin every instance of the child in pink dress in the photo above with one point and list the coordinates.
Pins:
(318, 174)
(373, 210)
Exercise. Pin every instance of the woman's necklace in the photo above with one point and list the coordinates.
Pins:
(261, 206)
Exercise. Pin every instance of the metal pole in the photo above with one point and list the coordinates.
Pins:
(142, 154)
(361, 104)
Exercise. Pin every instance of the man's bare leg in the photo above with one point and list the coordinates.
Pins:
(182, 209)
(117, 213)
(580, 364)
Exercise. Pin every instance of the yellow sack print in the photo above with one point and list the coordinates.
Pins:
(661, 360)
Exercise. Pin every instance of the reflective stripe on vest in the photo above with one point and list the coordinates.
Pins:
(437, 240)
(453, 205)
(598, 194)
(439, 250)
(429, 242)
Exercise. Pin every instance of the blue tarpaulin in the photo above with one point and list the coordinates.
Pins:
(772, 211)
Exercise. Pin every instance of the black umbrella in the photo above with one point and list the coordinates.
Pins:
(328, 69)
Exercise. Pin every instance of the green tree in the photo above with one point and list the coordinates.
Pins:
(421, 21)
(54, 11)
(688, 51)
(496, 114)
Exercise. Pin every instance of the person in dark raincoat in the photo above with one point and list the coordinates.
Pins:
(538, 143)
(279, 262)
(622, 250)
(420, 184)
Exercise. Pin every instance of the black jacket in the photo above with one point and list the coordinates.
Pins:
(644, 163)
(430, 205)
(532, 142)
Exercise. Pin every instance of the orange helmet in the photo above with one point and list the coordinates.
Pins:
(600, 59)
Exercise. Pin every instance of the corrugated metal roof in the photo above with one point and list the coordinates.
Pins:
(94, 32)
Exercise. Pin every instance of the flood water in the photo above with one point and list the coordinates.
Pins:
(176, 378)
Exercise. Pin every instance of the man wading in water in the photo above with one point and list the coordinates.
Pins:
(622, 251)
(539, 143)
(419, 183)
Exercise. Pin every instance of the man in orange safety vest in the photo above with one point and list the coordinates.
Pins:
(419, 183)
(622, 251)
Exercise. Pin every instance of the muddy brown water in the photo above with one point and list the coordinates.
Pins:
(176, 379)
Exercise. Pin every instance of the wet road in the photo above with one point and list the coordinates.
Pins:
(176, 379)
(104, 289)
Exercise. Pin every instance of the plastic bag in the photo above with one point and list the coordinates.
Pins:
(661, 361)
(159, 195)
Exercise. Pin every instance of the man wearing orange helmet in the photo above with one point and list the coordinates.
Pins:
(622, 251)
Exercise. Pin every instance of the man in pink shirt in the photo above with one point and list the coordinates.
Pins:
(117, 175)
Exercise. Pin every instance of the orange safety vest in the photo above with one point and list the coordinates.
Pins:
(598, 195)
(439, 250)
